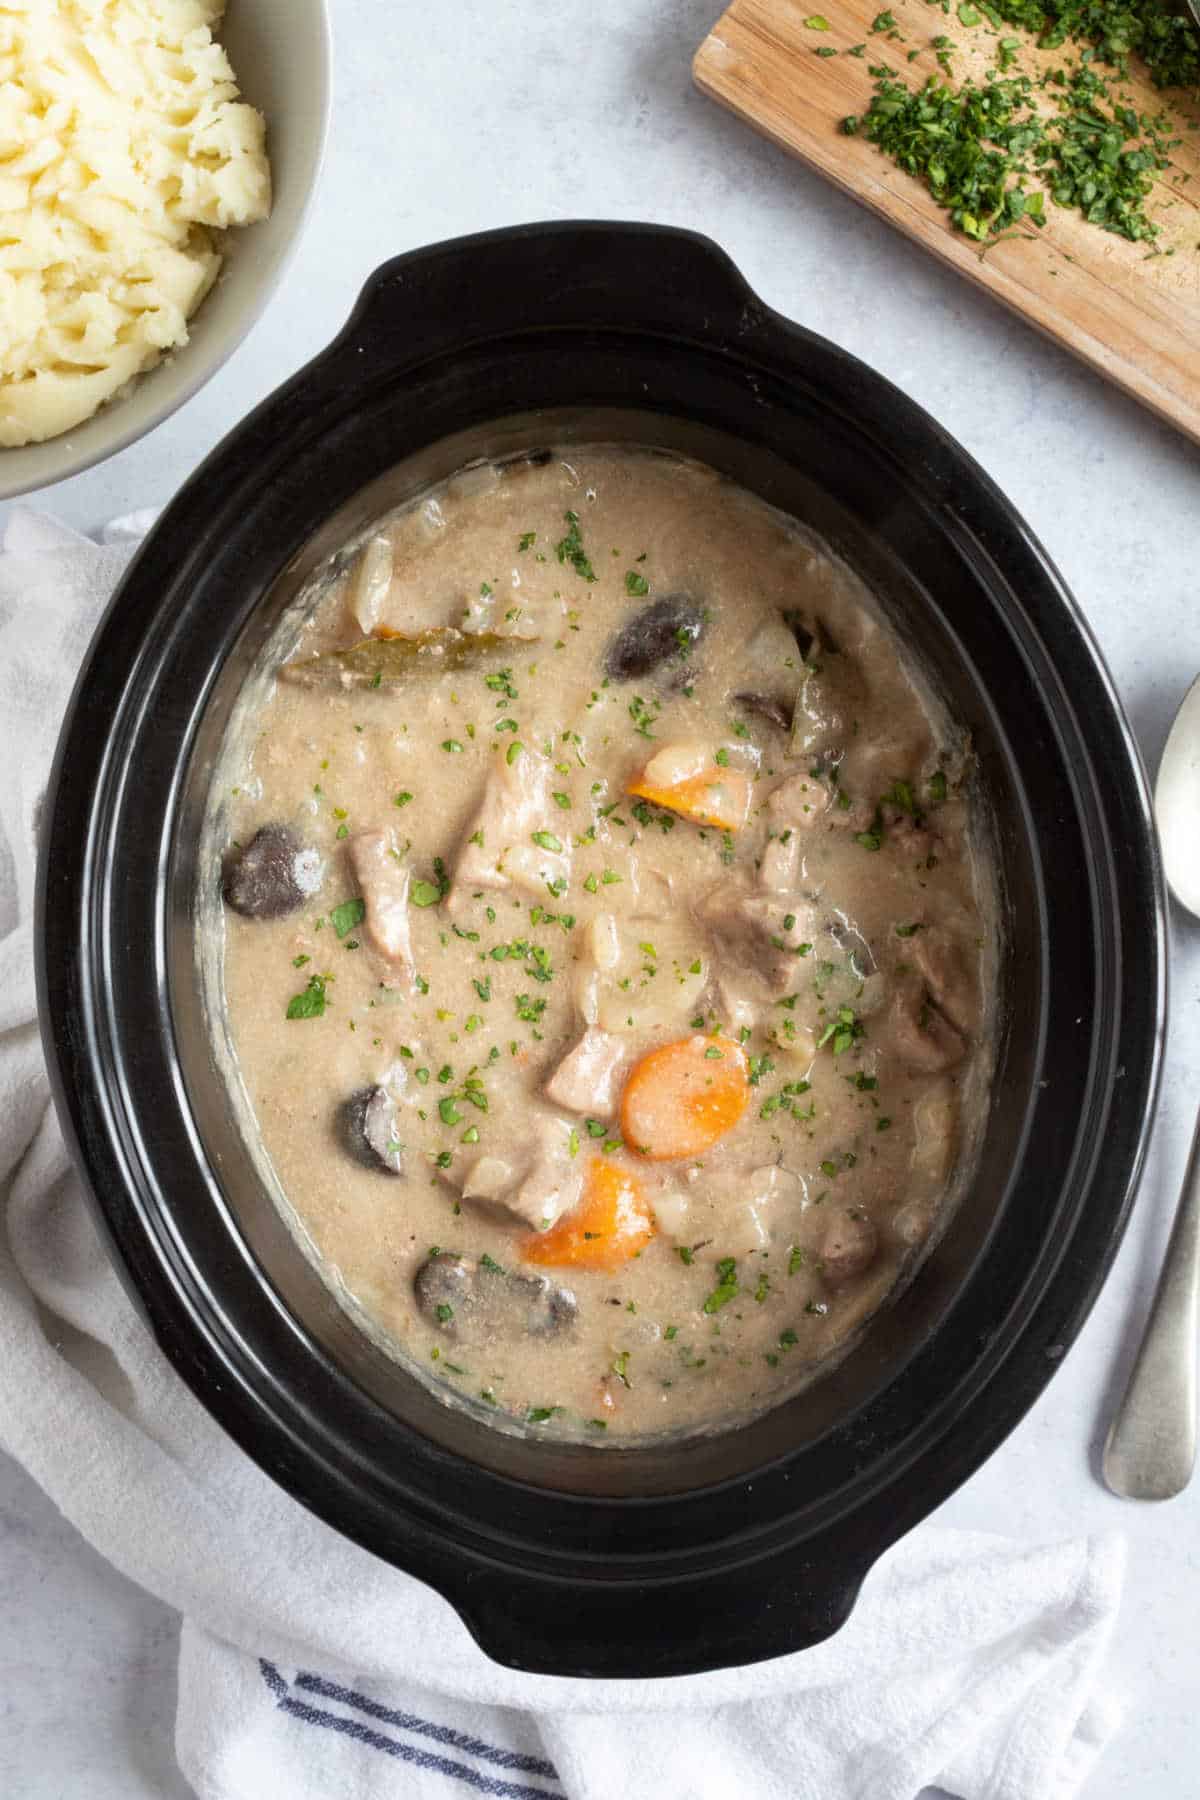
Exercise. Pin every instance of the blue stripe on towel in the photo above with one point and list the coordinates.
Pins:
(443, 1734)
(421, 1758)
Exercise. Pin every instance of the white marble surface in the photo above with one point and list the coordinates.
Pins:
(458, 117)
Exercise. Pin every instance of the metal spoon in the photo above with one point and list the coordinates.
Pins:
(1151, 1445)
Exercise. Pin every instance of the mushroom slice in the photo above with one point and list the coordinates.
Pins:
(272, 875)
(479, 1301)
(662, 632)
(368, 1129)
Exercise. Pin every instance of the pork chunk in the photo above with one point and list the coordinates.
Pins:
(587, 1080)
(383, 883)
(798, 803)
(847, 1247)
(923, 1038)
(761, 935)
(510, 841)
(532, 1188)
(942, 960)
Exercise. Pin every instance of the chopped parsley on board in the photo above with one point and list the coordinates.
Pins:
(993, 152)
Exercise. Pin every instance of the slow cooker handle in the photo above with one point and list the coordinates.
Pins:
(610, 276)
(727, 1616)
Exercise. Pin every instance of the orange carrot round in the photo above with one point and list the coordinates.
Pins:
(715, 796)
(682, 1097)
(612, 1221)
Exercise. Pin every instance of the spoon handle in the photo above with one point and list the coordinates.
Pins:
(1152, 1441)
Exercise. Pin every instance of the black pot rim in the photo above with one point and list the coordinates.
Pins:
(725, 320)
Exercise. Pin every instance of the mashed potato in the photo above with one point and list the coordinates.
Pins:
(123, 147)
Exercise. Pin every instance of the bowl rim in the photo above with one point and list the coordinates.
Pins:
(35, 480)
(960, 1433)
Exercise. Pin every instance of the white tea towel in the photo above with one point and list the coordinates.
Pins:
(310, 1669)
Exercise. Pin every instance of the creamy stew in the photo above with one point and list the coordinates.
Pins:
(608, 944)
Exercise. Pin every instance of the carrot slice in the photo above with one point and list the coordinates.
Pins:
(611, 1222)
(715, 796)
(682, 1097)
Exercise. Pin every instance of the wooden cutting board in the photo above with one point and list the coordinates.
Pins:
(1132, 315)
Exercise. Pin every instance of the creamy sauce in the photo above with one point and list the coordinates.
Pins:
(614, 1112)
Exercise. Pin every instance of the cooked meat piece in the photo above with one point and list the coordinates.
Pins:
(761, 934)
(730, 1212)
(914, 1222)
(587, 1078)
(770, 707)
(272, 875)
(513, 840)
(533, 1189)
(846, 1247)
(480, 1302)
(660, 633)
(832, 700)
(383, 883)
(368, 1130)
(942, 959)
(798, 802)
(921, 1036)
(554, 1181)
(935, 1126)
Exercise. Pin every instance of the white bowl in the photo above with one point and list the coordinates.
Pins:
(281, 55)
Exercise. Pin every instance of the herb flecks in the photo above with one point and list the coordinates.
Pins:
(991, 152)
(569, 549)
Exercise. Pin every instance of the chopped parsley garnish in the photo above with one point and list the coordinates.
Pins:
(569, 549)
(643, 716)
(311, 1003)
(424, 893)
(636, 584)
(527, 540)
(726, 1287)
(977, 145)
(345, 917)
(842, 1031)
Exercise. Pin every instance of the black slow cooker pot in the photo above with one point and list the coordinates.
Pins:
(577, 1560)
